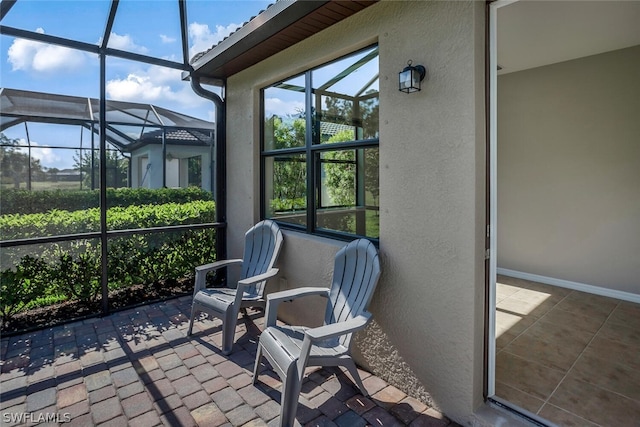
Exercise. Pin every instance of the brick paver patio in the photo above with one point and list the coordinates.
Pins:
(138, 368)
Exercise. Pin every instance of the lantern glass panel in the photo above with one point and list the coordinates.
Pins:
(405, 80)
(415, 80)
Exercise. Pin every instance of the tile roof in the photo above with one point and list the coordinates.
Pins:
(201, 54)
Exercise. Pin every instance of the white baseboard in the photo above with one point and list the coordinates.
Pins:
(576, 286)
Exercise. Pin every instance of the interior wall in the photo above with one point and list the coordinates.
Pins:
(569, 170)
(428, 309)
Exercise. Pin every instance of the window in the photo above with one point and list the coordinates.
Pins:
(320, 148)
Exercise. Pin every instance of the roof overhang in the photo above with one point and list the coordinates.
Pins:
(280, 26)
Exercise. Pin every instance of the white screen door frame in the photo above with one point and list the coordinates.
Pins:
(493, 189)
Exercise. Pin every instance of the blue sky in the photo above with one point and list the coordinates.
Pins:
(141, 26)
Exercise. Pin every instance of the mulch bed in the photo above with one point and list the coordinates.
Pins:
(55, 314)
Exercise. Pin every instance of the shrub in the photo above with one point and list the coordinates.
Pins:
(149, 258)
(59, 222)
(18, 288)
(288, 205)
(77, 278)
(72, 270)
(31, 202)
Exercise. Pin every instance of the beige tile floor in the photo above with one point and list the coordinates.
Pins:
(570, 357)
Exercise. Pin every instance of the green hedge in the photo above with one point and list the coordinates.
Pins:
(72, 270)
(29, 202)
(59, 222)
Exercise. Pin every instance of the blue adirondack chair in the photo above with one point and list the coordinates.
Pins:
(262, 246)
(290, 349)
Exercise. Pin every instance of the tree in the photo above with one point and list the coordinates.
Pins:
(341, 111)
(369, 111)
(289, 171)
(339, 166)
(340, 177)
(88, 162)
(53, 173)
(337, 110)
(340, 172)
(17, 166)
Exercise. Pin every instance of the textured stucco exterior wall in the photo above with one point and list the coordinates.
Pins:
(569, 170)
(427, 337)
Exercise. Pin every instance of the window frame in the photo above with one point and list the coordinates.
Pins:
(311, 152)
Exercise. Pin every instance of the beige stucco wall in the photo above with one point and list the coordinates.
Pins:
(569, 170)
(427, 336)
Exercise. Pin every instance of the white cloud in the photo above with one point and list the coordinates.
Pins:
(125, 42)
(282, 108)
(155, 85)
(45, 154)
(136, 87)
(28, 55)
(202, 38)
(167, 39)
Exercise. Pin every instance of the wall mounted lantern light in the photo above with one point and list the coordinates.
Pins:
(410, 77)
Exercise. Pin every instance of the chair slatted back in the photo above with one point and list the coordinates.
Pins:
(355, 276)
(262, 245)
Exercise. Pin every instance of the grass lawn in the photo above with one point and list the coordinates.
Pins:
(44, 185)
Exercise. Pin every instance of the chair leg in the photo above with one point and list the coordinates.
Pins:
(291, 386)
(256, 367)
(353, 370)
(193, 316)
(229, 331)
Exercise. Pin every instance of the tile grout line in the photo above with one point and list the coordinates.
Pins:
(546, 401)
(576, 361)
(618, 304)
(535, 322)
(504, 349)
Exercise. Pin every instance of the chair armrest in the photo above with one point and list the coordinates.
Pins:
(336, 329)
(321, 333)
(248, 281)
(274, 300)
(218, 264)
(258, 278)
(202, 270)
(290, 294)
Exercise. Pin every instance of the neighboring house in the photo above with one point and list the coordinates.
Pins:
(188, 159)
(68, 175)
(431, 334)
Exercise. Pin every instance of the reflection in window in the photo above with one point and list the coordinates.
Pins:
(333, 150)
(284, 125)
(349, 190)
(346, 98)
(285, 188)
